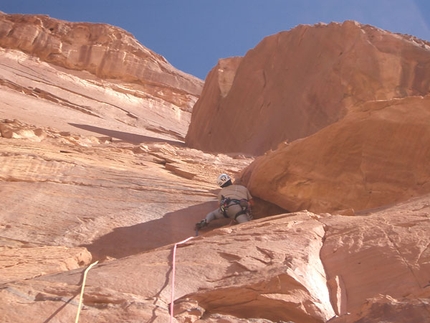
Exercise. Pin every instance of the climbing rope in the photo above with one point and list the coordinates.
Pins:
(82, 290)
(172, 297)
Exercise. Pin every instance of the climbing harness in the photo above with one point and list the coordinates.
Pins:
(82, 290)
(226, 202)
(172, 297)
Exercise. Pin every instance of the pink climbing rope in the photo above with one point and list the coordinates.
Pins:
(172, 297)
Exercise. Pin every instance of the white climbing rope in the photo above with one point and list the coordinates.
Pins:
(82, 290)
(172, 297)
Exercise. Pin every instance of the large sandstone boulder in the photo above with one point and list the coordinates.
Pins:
(377, 155)
(294, 83)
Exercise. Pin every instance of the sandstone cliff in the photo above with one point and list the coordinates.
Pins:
(294, 83)
(93, 169)
(112, 75)
(105, 51)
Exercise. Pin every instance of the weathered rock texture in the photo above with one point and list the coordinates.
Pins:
(377, 155)
(294, 83)
(84, 177)
(392, 242)
(98, 70)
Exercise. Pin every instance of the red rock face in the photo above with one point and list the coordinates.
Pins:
(205, 112)
(295, 83)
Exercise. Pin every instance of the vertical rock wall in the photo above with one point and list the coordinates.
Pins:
(292, 84)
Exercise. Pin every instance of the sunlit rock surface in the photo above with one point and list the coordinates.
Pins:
(106, 51)
(99, 73)
(91, 171)
(294, 83)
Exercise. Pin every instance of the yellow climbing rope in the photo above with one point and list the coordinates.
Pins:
(172, 287)
(172, 297)
(82, 290)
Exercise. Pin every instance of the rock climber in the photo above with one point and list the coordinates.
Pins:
(235, 203)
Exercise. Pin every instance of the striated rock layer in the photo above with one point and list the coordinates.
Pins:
(98, 71)
(294, 83)
(80, 102)
(106, 51)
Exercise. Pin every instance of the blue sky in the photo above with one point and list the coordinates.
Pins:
(193, 34)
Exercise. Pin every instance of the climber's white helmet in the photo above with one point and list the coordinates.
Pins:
(222, 179)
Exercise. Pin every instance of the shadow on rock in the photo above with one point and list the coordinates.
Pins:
(126, 136)
(173, 227)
